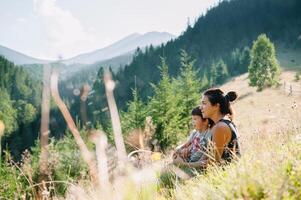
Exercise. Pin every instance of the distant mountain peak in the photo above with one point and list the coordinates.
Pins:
(118, 48)
(157, 32)
(125, 45)
(19, 58)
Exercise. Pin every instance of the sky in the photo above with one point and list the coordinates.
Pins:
(47, 29)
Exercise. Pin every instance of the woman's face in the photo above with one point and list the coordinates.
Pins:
(198, 122)
(207, 109)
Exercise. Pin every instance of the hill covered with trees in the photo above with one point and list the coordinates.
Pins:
(19, 107)
(218, 43)
(224, 33)
(165, 83)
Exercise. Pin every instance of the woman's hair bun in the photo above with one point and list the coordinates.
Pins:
(231, 96)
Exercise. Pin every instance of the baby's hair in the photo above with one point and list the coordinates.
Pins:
(198, 112)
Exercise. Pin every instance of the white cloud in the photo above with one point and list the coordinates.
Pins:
(63, 32)
(21, 20)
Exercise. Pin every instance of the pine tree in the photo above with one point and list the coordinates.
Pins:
(189, 87)
(222, 72)
(26, 112)
(244, 60)
(219, 72)
(264, 69)
(163, 109)
(205, 83)
(7, 113)
(239, 61)
(213, 74)
(135, 115)
(97, 104)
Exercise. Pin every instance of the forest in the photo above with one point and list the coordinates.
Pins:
(161, 84)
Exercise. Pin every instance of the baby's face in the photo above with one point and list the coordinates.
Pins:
(198, 122)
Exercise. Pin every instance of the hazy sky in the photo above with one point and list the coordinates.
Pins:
(48, 28)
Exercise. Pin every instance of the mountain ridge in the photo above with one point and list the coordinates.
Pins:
(19, 58)
(122, 46)
(127, 44)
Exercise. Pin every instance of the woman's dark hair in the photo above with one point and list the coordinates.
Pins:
(216, 96)
(198, 112)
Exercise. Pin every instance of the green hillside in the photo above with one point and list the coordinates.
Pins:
(19, 107)
(222, 33)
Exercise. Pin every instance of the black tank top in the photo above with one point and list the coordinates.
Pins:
(231, 149)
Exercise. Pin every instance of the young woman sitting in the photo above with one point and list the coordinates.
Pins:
(216, 106)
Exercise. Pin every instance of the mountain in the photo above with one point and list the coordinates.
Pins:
(223, 33)
(20, 103)
(77, 69)
(19, 58)
(123, 46)
(119, 53)
(117, 62)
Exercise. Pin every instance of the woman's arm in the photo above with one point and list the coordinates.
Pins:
(221, 135)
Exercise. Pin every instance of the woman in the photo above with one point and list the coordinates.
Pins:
(192, 151)
(216, 106)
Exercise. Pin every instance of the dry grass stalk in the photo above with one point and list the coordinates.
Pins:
(121, 153)
(141, 139)
(2, 128)
(26, 174)
(83, 106)
(44, 129)
(142, 144)
(86, 154)
(101, 142)
(45, 120)
(135, 139)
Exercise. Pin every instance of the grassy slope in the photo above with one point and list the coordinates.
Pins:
(267, 111)
(269, 123)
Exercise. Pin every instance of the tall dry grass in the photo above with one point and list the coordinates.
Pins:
(270, 168)
(2, 128)
(269, 123)
(128, 182)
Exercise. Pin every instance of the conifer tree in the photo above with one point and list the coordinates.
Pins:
(219, 72)
(213, 74)
(7, 113)
(205, 82)
(244, 60)
(189, 87)
(26, 112)
(222, 72)
(135, 115)
(163, 109)
(97, 104)
(264, 69)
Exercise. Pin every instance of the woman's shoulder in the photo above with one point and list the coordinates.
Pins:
(225, 122)
(221, 128)
(222, 124)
